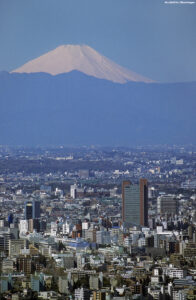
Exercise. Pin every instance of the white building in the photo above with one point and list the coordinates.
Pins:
(142, 242)
(175, 272)
(73, 191)
(54, 228)
(96, 260)
(85, 225)
(82, 294)
(127, 241)
(23, 226)
(67, 227)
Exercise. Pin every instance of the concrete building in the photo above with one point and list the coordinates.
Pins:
(94, 282)
(63, 285)
(103, 237)
(23, 226)
(167, 204)
(7, 266)
(82, 294)
(24, 264)
(73, 191)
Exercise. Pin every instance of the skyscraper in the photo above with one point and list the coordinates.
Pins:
(36, 209)
(32, 209)
(28, 210)
(135, 203)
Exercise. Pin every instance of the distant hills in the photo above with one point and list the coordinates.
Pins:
(75, 109)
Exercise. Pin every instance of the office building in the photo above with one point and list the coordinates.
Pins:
(63, 285)
(32, 209)
(24, 264)
(103, 237)
(37, 283)
(28, 210)
(15, 247)
(73, 191)
(5, 283)
(83, 174)
(135, 203)
(82, 294)
(33, 225)
(167, 204)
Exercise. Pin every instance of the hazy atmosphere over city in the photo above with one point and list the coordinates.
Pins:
(97, 149)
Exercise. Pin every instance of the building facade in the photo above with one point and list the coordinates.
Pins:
(32, 210)
(167, 204)
(135, 203)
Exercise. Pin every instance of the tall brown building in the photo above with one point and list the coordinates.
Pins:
(24, 264)
(135, 203)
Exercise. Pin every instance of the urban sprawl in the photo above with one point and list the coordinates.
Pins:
(98, 223)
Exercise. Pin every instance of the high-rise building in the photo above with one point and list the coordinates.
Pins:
(15, 247)
(135, 203)
(167, 204)
(33, 224)
(32, 209)
(82, 294)
(73, 191)
(24, 264)
(28, 210)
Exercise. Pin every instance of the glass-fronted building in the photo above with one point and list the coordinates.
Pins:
(135, 203)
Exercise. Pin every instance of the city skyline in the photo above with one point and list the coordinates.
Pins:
(72, 244)
(97, 150)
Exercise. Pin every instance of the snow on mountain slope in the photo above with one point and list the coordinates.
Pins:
(83, 58)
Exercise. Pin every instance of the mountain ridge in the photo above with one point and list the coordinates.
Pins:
(74, 108)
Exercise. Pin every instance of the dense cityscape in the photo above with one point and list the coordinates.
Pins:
(97, 150)
(98, 223)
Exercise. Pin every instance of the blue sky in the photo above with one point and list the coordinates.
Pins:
(152, 38)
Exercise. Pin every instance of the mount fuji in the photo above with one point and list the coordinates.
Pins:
(74, 96)
(67, 58)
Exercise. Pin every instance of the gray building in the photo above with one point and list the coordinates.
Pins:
(103, 237)
(63, 285)
(167, 204)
